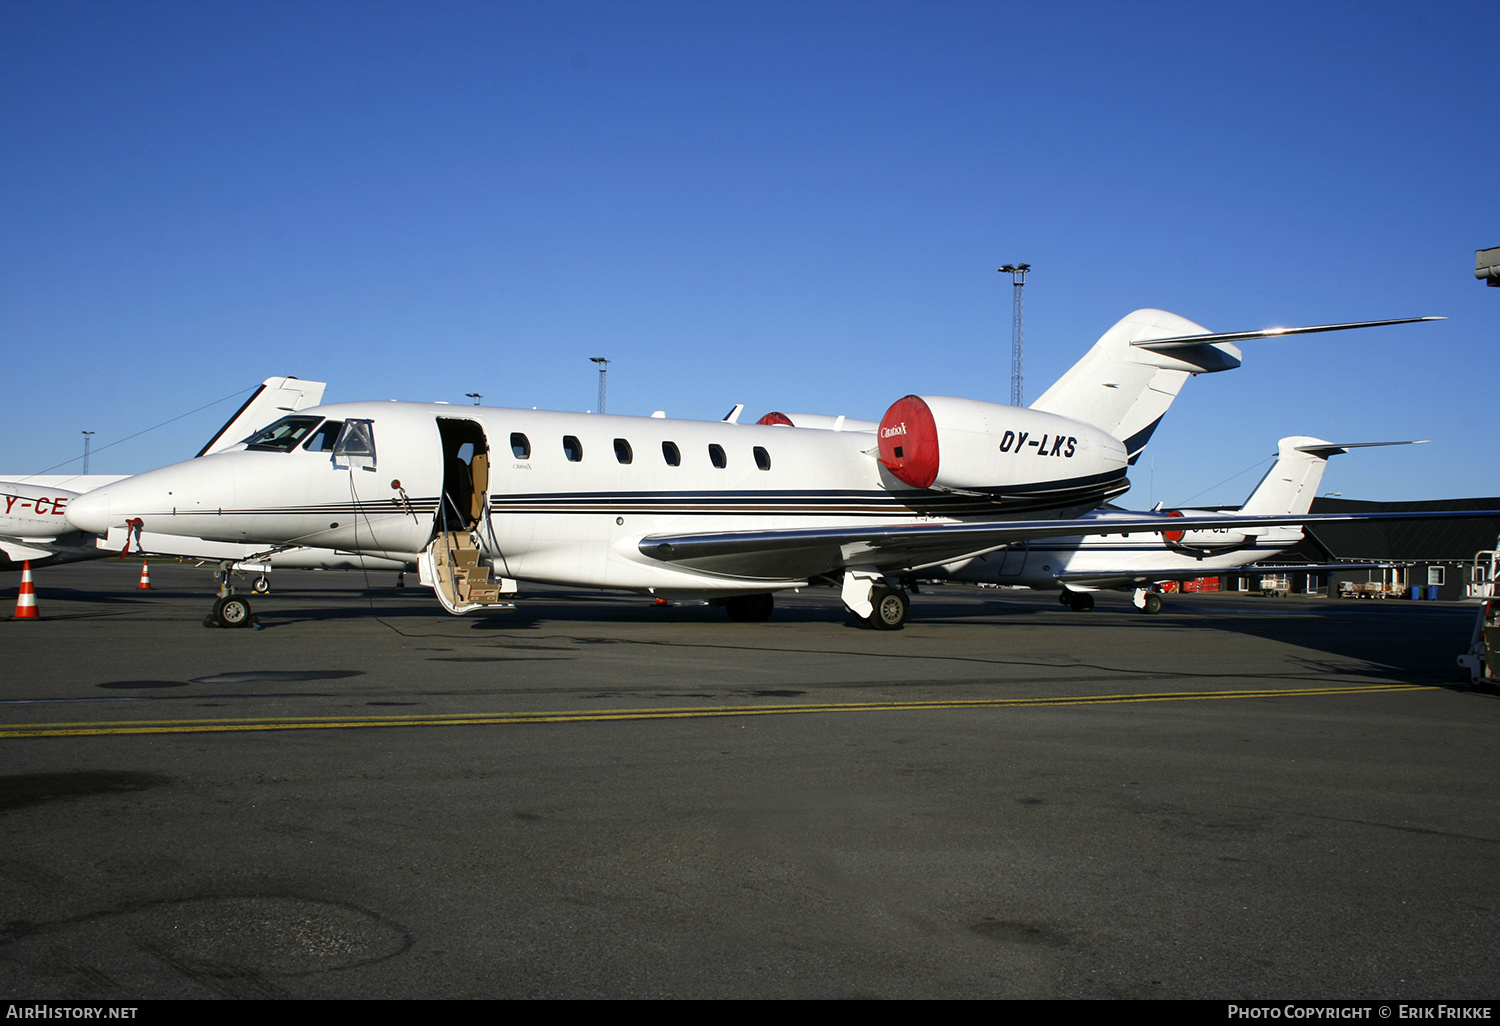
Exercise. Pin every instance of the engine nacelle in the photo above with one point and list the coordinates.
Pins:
(1205, 539)
(970, 446)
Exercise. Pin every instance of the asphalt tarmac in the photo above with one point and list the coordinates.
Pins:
(590, 796)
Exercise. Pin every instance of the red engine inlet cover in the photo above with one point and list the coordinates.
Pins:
(1173, 536)
(775, 417)
(909, 442)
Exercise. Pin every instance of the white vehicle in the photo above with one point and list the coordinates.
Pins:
(1137, 559)
(686, 509)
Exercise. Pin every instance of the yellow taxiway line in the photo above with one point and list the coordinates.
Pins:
(689, 712)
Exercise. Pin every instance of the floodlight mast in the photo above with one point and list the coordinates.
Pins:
(1018, 279)
(603, 369)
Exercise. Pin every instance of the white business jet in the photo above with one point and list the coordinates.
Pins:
(681, 509)
(1080, 565)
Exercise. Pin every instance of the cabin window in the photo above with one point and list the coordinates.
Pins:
(762, 458)
(716, 454)
(572, 448)
(322, 439)
(281, 436)
(622, 451)
(520, 446)
(670, 454)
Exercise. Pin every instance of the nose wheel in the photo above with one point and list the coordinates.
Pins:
(230, 611)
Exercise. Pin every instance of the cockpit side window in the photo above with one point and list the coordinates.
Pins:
(281, 436)
(355, 446)
(322, 439)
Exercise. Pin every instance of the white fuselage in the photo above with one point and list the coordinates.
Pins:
(1105, 560)
(570, 496)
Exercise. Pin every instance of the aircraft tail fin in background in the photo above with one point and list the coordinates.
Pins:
(1126, 389)
(1292, 482)
(274, 399)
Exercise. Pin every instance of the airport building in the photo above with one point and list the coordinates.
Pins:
(1443, 560)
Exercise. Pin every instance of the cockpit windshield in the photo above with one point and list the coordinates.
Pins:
(323, 439)
(283, 435)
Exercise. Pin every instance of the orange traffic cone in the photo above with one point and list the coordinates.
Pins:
(145, 584)
(400, 578)
(26, 598)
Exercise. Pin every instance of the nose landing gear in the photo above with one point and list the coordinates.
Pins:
(231, 610)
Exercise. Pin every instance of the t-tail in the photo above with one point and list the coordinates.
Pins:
(1126, 383)
(1125, 388)
(1292, 482)
(274, 399)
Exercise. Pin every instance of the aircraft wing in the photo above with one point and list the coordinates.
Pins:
(1143, 579)
(801, 553)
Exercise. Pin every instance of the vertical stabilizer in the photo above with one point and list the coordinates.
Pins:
(274, 399)
(1126, 389)
(1292, 481)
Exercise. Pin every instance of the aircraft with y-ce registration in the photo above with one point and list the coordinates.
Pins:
(34, 526)
(483, 498)
(1080, 565)
(33, 523)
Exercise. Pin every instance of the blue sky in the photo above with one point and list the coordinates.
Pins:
(795, 206)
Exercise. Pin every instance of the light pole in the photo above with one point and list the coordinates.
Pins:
(87, 437)
(603, 369)
(474, 396)
(1018, 278)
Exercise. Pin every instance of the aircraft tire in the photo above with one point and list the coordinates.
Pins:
(1152, 603)
(1080, 601)
(232, 611)
(750, 608)
(890, 610)
(261, 586)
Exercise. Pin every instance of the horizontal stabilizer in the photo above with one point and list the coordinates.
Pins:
(1327, 449)
(1182, 341)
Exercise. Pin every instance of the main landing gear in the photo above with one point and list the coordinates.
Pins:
(877, 604)
(749, 608)
(1147, 601)
(891, 606)
(1078, 601)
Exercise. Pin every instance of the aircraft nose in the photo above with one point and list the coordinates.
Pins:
(90, 511)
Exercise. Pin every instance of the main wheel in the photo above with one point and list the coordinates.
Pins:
(232, 611)
(750, 608)
(890, 609)
(1080, 601)
(1152, 603)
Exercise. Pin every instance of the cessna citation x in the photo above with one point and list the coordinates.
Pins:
(1134, 559)
(482, 498)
